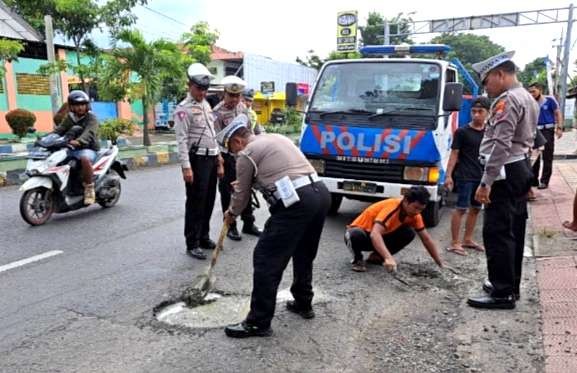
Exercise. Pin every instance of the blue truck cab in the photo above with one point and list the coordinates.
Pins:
(374, 127)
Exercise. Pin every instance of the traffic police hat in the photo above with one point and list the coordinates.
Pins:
(484, 67)
(198, 74)
(233, 84)
(248, 94)
(227, 132)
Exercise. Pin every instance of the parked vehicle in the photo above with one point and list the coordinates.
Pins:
(55, 185)
(374, 127)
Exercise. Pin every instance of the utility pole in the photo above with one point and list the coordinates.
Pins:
(566, 51)
(386, 33)
(54, 97)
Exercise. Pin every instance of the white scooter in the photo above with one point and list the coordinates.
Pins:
(55, 183)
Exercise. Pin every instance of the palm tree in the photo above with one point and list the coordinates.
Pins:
(136, 68)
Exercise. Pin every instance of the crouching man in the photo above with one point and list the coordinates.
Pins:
(387, 227)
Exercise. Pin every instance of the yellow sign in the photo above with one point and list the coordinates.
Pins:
(347, 31)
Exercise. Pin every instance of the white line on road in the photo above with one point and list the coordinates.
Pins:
(32, 259)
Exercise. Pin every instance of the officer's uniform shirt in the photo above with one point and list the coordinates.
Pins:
(266, 159)
(510, 130)
(194, 126)
(224, 116)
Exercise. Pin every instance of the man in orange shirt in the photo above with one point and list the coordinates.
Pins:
(387, 227)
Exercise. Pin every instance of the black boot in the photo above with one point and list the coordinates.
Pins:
(244, 330)
(491, 302)
(304, 312)
(488, 288)
(233, 233)
(196, 252)
(251, 229)
(207, 244)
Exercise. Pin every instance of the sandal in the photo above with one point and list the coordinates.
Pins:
(456, 251)
(473, 246)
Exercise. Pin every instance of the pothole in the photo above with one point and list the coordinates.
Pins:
(217, 310)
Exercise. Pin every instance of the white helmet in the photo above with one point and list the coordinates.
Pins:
(199, 75)
(233, 84)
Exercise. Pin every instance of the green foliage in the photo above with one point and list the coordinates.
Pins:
(20, 121)
(469, 48)
(136, 70)
(372, 33)
(111, 129)
(311, 60)
(199, 41)
(534, 71)
(9, 49)
(292, 124)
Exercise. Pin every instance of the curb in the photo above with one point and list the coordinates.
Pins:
(155, 159)
(564, 156)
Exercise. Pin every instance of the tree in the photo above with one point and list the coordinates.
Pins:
(373, 32)
(198, 42)
(534, 71)
(135, 69)
(469, 48)
(9, 49)
(311, 60)
(75, 20)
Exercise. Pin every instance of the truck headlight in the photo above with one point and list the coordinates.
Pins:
(424, 174)
(318, 165)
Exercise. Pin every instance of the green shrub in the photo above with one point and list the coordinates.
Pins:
(20, 121)
(111, 129)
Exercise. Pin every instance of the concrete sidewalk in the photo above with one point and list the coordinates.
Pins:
(556, 266)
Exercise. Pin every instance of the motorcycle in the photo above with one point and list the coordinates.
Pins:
(55, 182)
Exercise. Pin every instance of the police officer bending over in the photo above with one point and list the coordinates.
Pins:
(506, 179)
(200, 160)
(299, 202)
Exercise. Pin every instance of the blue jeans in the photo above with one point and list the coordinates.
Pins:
(84, 153)
(466, 197)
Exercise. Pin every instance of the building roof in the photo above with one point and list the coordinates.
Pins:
(13, 26)
(219, 53)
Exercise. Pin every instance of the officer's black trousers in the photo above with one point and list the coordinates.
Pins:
(504, 228)
(226, 190)
(360, 241)
(547, 157)
(200, 195)
(289, 233)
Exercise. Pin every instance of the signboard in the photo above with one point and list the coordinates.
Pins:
(475, 23)
(347, 31)
(267, 88)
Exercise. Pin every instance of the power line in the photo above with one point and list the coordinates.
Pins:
(164, 15)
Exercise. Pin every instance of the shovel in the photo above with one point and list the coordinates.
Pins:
(201, 285)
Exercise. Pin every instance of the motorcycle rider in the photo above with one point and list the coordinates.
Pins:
(85, 144)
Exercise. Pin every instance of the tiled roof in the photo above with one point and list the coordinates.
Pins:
(219, 53)
(12, 26)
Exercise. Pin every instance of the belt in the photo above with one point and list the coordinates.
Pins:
(205, 151)
(300, 182)
(516, 158)
(546, 125)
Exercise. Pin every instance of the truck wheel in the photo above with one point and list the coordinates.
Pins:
(336, 200)
(432, 214)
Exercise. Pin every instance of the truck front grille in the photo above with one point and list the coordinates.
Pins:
(364, 171)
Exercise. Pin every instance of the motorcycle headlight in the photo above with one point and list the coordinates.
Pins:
(318, 165)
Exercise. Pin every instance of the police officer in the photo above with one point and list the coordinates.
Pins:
(299, 202)
(230, 107)
(200, 160)
(248, 99)
(506, 179)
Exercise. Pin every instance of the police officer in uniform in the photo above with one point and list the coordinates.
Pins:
(230, 107)
(506, 179)
(299, 202)
(200, 160)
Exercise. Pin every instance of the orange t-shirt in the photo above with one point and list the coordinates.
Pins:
(386, 213)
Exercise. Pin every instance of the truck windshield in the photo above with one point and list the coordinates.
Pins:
(378, 89)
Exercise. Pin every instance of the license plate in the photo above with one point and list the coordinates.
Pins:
(359, 186)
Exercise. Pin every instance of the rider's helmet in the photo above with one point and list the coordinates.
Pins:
(78, 98)
(199, 75)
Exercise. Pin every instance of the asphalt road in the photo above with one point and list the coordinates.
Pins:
(88, 308)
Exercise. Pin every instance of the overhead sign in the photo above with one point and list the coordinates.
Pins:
(267, 88)
(475, 23)
(347, 23)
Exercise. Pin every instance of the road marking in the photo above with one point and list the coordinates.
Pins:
(32, 259)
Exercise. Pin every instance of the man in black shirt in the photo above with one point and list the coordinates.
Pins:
(464, 161)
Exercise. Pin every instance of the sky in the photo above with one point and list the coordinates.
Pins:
(284, 30)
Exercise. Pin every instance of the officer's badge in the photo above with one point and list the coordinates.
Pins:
(499, 109)
(181, 115)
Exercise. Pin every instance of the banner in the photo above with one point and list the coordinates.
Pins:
(347, 31)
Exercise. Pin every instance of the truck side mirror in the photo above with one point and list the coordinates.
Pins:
(453, 97)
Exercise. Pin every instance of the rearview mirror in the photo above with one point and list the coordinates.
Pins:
(453, 97)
